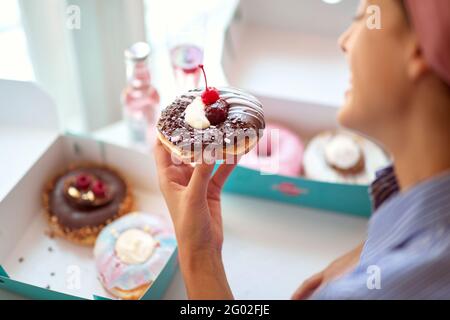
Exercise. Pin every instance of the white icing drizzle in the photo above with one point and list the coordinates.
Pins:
(239, 102)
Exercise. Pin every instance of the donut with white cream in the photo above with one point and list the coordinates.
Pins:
(131, 252)
(343, 157)
(227, 120)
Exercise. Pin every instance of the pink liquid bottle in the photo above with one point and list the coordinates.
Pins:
(140, 99)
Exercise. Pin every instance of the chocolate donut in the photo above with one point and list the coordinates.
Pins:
(231, 125)
(82, 200)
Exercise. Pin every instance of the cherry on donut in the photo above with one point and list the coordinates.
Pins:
(217, 112)
(83, 182)
(210, 95)
(99, 189)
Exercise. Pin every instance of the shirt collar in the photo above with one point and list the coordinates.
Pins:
(383, 187)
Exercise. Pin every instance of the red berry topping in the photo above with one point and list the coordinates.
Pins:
(217, 112)
(99, 189)
(210, 95)
(83, 182)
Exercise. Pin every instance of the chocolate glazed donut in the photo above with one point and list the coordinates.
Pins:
(80, 220)
(235, 136)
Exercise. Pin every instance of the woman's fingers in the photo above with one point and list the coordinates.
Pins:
(308, 287)
(162, 157)
(221, 175)
(200, 179)
(163, 161)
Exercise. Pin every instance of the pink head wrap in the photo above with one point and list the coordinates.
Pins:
(431, 21)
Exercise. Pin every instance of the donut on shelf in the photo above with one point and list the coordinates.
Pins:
(279, 151)
(343, 157)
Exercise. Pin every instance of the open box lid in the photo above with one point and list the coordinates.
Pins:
(24, 104)
(28, 125)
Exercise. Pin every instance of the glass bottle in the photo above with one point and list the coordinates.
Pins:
(140, 99)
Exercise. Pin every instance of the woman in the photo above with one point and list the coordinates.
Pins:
(400, 96)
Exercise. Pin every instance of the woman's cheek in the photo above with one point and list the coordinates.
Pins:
(364, 101)
(352, 114)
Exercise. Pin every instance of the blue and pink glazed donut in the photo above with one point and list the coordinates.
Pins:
(131, 252)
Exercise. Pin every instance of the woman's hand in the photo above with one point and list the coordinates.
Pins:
(335, 270)
(193, 199)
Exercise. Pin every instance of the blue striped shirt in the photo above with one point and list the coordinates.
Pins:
(407, 251)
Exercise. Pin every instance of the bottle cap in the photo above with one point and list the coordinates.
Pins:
(138, 51)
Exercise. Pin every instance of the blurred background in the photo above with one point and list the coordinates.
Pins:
(74, 49)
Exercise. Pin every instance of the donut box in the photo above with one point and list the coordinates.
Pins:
(306, 120)
(36, 264)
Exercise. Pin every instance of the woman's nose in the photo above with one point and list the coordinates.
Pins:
(343, 39)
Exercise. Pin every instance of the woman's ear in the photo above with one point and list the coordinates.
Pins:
(416, 63)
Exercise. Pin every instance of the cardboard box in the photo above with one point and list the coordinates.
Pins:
(35, 265)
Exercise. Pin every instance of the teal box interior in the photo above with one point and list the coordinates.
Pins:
(342, 198)
(37, 266)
